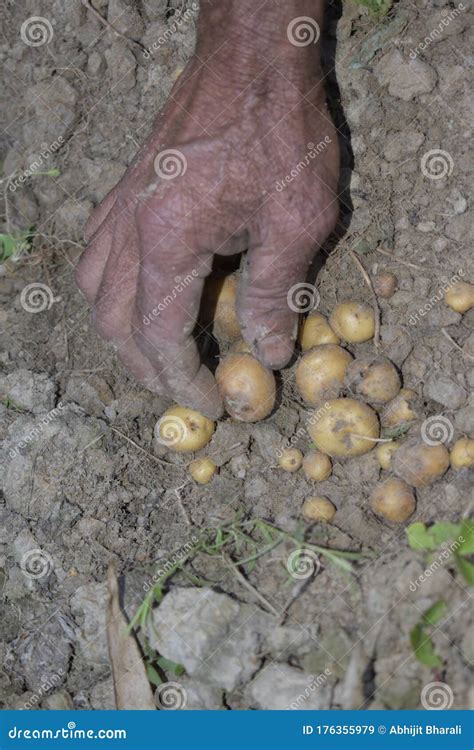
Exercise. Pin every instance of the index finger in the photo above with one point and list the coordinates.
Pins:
(170, 284)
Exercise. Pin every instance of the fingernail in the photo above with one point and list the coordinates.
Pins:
(275, 350)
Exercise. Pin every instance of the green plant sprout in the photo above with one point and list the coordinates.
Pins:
(378, 8)
(458, 536)
(420, 639)
(248, 540)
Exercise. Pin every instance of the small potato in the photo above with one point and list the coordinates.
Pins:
(320, 372)
(460, 296)
(419, 464)
(401, 410)
(247, 387)
(219, 306)
(317, 466)
(290, 459)
(373, 379)
(316, 330)
(394, 500)
(353, 321)
(384, 453)
(385, 284)
(202, 469)
(462, 454)
(184, 430)
(318, 509)
(344, 427)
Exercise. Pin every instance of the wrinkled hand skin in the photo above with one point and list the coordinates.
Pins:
(241, 115)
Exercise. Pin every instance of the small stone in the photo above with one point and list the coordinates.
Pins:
(124, 16)
(406, 78)
(396, 343)
(280, 687)
(464, 420)
(213, 636)
(59, 701)
(201, 697)
(88, 604)
(445, 391)
(102, 696)
(92, 393)
(121, 65)
(95, 64)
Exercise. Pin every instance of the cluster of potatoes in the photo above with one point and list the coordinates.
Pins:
(352, 398)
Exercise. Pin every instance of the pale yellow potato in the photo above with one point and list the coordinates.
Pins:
(462, 454)
(318, 509)
(394, 500)
(184, 430)
(315, 330)
(401, 410)
(247, 388)
(320, 372)
(373, 379)
(202, 469)
(218, 306)
(344, 427)
(420, 464)
(317, 466)
(460, 296)
(353, 321)
(290, 459)
(384, 453)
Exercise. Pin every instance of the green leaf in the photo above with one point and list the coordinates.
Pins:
(444, 531)
(153, 675)
(435, 613)
(170, 666)
(466, 531)
(423, 647)
(378, 8)
(466, 569)
(419, 537)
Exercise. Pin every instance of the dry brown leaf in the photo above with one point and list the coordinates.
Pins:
(131, 686)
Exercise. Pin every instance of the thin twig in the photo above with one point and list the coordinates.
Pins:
(249, 586)
(372, 440)
(87, 4)
(142, 450)
(404, 262)
(372, 290)
(454, 343)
